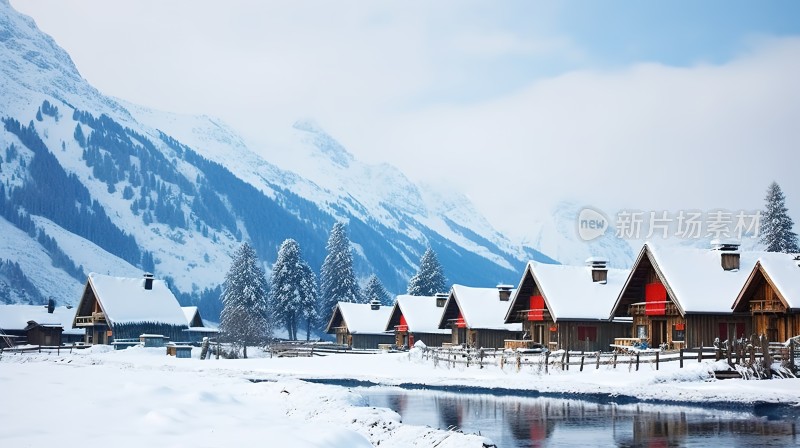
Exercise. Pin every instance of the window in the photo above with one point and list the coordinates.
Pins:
(585, 333)
(679, 332)
(641, 331)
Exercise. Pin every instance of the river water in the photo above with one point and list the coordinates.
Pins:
(535, 422)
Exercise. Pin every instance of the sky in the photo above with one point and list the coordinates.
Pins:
(518, 104)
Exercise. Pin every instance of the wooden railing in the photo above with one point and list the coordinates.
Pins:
(767, 306)
(670, 309)
(95, 318)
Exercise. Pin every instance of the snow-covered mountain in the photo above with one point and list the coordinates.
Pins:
(557, 235)
(93, 183)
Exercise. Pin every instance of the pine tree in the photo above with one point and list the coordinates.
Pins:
(293, 289)
(338, 278)
(430, 278)
(245, 318)
(776, 224)
(375, 291)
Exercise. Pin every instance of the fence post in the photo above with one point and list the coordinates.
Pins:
(547, 360)
(582, 358)
(637, 361)
(567, 364)
(597, 366)
(657, 353)
(615, 360)
(791, 355)
(681, 358)
(752, 350)
(700, 352)
(766, 359)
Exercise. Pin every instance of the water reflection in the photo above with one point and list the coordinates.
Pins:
(535, 422)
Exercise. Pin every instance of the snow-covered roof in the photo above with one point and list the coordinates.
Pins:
(124, 300)
(696, 278)
(16, 317)
(482, 308)
(190, 312)
(360, 318)
(570, 293)
(784, 273)
(421, 313)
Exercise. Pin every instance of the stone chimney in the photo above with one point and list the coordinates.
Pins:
(728, 254)
(441, 299)
(148, 281)
(504, 292)
(374, 304)
(599, 269)
(51, 306)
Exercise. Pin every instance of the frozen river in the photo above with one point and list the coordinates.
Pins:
(526, 421)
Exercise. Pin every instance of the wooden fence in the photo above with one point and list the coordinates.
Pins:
(42, 348)
(747, 360)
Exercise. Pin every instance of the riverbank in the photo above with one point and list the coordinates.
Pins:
(146, 396)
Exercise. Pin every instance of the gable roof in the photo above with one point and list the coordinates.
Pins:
(420, 312)
(480, 307)
(192, 316)
(124, 300)
(569, 291)
(359, 318)
(694, 278)
(16, 317)
(783, 274)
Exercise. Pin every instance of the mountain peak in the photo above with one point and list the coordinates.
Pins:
(326, 144)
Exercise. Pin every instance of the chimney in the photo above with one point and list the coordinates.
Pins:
(728, 254)
(51, 306)
(441, 299)
(374, 304)
(504, 292)
(148, 281)
(599, 268)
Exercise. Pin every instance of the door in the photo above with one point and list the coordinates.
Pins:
(538, 334)
(659, 333)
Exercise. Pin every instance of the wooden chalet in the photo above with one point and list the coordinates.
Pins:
(197, 328)
(416, 318)
(771, 296)
(476, 316)
(37, 325)
(113, 308)
(568, 307)
(361, 325)
(681, 296)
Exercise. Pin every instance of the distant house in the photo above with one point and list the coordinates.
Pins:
(416, 318)
(125, 308)
(37, 325)
(771, 296)
(568, 307)
(476, 316)
(360, 325)
(197, 328)
(682, 297)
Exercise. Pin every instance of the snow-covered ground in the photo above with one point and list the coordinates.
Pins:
(141, 395)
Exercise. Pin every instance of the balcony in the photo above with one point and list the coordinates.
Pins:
(522, 315)
(95, 319)
(640, 309)
(767, 306)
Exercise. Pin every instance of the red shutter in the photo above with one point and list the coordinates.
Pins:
(655, 297)
(587, 333)
(739, 330)
(536, 308)
(403, 324)
(460, 323)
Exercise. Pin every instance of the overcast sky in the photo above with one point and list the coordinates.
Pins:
(668, 105)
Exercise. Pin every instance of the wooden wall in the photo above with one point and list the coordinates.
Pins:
(605, 334)
(702, 329)
(432, 339)
(371, 341)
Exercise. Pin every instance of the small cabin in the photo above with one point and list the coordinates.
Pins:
(771, 296)
(197, 327)
(113, 308)
(568, 307)
(360, 325)
(38, 325)
(681, 297)
(416, 318)
(476, 316)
